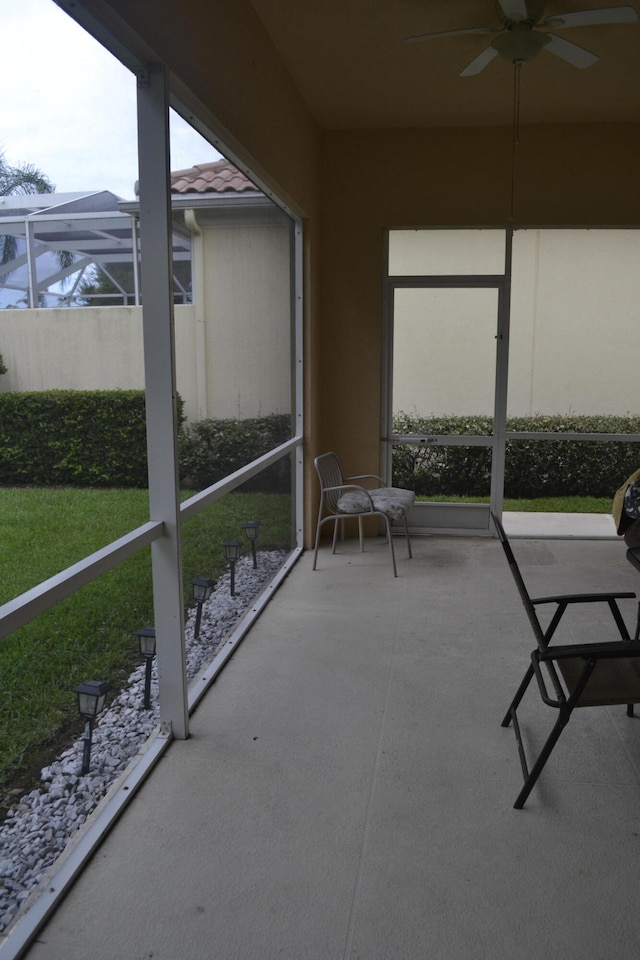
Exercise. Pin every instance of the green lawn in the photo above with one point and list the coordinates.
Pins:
(91, 634)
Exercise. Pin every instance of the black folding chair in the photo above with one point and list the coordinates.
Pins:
(581, 675)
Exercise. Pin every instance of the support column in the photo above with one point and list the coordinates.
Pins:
(160, 387)
(32, 293)
(199, 306)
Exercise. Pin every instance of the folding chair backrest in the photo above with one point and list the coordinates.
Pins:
(522, 590)
(330, 475)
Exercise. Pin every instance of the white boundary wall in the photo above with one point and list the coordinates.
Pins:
(233, 345)
(93, 348)
(575, 321)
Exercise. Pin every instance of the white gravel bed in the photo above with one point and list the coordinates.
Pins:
(40, 825)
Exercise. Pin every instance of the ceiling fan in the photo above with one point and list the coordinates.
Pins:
(519, 40)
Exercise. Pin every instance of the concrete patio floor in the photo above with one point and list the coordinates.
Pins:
(347, 789)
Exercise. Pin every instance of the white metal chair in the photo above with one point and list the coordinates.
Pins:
(342, 497)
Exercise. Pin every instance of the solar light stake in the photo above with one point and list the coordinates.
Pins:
(201, 592)
(232, 549)
(251, 530)
(91, 699)
(147, 640)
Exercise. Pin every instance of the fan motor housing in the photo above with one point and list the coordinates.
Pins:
(535, 9)
(520, 43)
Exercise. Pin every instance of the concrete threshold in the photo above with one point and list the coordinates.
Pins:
(562, 526)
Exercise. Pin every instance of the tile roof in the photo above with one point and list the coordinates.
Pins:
(219, 176)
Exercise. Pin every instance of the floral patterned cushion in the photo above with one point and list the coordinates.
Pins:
(393, 501)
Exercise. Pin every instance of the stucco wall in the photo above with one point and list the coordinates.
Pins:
(570, 175)
(97, 348)
(575, 303)
(247, 318)
(100, 348)
(575, 321)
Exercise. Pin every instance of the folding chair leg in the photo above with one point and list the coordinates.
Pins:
(532, 775)
(636, 636)
(513, 706)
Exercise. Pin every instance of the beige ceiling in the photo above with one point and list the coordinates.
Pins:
(350, 63)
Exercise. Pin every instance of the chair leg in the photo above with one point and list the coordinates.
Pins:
(315, 552)
(317, 544)
(636, 636)
(564, 713)
(520, 692)
(336, 524)
(406, 530)
(532, 775)
(390, 539)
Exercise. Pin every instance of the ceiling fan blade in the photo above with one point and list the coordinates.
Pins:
(571, 52)
(514, 9)
(479, 63)
(584, 18)
(451, 33)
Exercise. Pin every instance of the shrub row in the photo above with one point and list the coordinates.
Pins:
(533, 468)
(73, 438)
(212, 449)
(98, 439)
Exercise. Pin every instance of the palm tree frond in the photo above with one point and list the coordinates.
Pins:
(22, 179)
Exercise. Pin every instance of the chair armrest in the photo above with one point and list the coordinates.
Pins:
(368, 476)
(591, 651)
(585, 598)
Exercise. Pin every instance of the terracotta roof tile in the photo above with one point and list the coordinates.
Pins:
(219, 176)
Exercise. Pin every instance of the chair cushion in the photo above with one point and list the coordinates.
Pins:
(392, 501)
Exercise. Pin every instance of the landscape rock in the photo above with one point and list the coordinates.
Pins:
(37, 829)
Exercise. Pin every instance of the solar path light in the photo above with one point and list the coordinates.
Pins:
(201, 592)
(147, 640)
(232, 550)
(91, 699)
(251, 529)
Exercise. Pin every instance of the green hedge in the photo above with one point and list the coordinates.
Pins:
(533, 468)
(212, 449)
(73, 438)
(98, 439)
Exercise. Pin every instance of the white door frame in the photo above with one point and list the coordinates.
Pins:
(453, 518)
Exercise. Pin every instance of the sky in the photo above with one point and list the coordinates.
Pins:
(68, 107)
